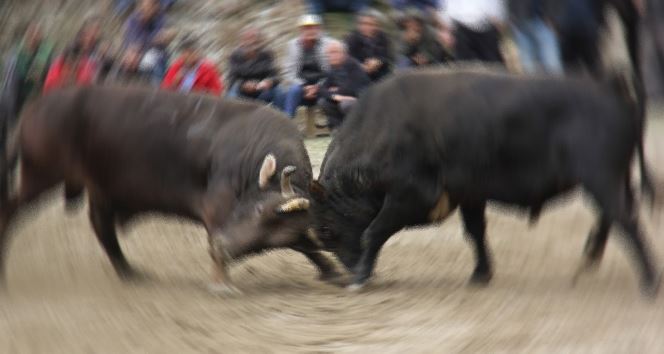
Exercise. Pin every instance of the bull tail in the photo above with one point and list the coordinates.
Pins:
(635, 99)
(647, 186)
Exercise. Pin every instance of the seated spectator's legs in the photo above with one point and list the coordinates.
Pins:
(346, 106)
(293, 99)
(234, 91)
(524, 41)
(332, 112)
(268, 95)
(548, 47)
(403, 62)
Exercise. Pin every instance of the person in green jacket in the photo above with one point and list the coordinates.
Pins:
(25, 70)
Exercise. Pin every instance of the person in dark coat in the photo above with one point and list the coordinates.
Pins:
(369, 45)
(345, 80)
(253, 73)
(579, 26)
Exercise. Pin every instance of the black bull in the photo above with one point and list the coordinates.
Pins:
(239, 168)
(422, 143)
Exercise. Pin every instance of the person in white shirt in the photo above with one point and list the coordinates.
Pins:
(477, 27)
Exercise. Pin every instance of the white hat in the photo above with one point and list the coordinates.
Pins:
(309, 20)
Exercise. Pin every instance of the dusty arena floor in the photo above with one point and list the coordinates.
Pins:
(65, 298)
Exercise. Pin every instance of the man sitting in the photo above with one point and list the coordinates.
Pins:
(252, 70)
(345, 80)
(369, 45)
(305, 66)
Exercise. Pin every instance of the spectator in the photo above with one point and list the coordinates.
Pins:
(536, 40)
(155, 60)
(191, 73)
(345, 80)
(106, 60)
(253, 73)
(477, 28)
(321, 6)
(144, 24)
(579, 29)
(369, 45)
(122, 6)
(305, 65)
(127, 71)
(78, 64)
(422, 5)
(419, 47)
(25, 71)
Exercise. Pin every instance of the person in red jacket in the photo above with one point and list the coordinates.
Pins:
(192, 73)
(77, 65)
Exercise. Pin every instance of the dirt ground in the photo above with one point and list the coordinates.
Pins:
(65, 298)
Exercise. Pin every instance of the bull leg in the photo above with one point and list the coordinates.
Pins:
(221, 282)
(614, 203)
(475, 223)
(102, 219)
(390, 219)
(32, 185)
(73, 197)
(594, 248)
(328, 271)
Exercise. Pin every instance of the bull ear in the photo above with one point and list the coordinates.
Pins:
(268, 169)
(317, 191)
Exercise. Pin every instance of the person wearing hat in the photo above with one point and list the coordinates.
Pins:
(192, 73)
(305, 66)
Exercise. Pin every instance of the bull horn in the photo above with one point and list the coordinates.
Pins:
(268, 168)
(293, 205)
(286, 187)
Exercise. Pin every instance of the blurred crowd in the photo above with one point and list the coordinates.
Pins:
(553, 36)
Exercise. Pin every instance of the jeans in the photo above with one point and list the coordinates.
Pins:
(320, 6)
(289, 99)
(538, 46)
(266, 96)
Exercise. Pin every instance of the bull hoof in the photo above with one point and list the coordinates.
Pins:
(223, 289)
(480, 279)
(130, 275)
(650, 288)
(356, 287)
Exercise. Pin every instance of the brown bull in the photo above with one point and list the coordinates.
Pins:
(226, 164)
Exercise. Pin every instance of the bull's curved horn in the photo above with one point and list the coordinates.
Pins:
(286, 187)
(268, 168)
(293, 205)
